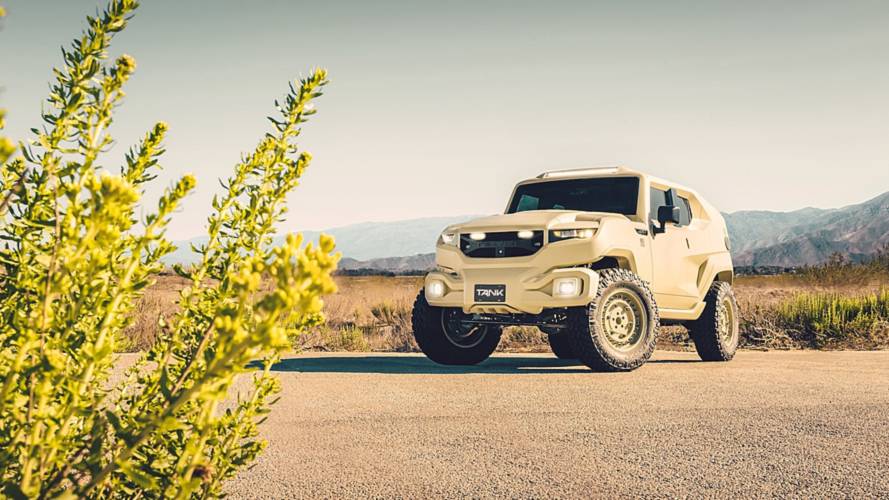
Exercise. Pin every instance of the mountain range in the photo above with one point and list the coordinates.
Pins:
(809, 236)
(361, 242)
(759, 238)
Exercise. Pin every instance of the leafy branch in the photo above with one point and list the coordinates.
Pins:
(75, 258)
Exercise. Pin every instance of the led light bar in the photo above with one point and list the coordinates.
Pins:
(578, 172)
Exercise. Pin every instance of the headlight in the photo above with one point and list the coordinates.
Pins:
(435, 289)
(449, 239)
(567, 234)
(566, 287)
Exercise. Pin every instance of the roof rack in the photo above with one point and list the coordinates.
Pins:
(574, 172)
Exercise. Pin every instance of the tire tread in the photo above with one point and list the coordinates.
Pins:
(583, 328)
(426, 324)
(704, 330)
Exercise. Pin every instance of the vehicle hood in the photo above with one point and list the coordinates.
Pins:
(534, 219)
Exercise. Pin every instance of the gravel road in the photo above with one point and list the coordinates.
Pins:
(795, 423)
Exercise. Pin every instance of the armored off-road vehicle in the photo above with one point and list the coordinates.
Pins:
(597, 259)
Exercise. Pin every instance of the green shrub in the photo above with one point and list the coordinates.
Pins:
(75, 259)
(831, 317)
(349, 338)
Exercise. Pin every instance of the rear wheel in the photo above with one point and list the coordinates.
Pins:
(446, 337)
(560, 343)
(617, 331)
(716, 333)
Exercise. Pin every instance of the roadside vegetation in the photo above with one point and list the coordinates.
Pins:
(830, 318)
(840, 271)
(76, 261)
(838, 305)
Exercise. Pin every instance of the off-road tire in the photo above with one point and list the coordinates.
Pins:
(587, 331)
(560, 343)
(430, 336)
(705, 331)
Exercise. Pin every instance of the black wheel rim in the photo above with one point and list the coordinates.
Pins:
(461, 332)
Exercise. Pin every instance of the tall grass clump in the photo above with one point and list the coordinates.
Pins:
(838, 270)
(75, 259)
(392, 319)
(832, 318)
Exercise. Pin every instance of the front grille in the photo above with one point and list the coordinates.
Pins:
(501, 244)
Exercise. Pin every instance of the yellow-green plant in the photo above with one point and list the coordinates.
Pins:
(7, 147)
(831, 317)
(74, 259)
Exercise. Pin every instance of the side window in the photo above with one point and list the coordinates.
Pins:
(658, 199)
(684, 211)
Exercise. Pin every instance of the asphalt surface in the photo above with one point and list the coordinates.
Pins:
(798, 424)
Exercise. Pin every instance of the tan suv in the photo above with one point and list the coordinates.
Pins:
(595, 258)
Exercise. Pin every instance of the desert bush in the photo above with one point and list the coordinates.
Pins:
(760, 327)
(75, 260)
(840, 271)
(392, 321)
(831, 319)
(325, 338)
(821, 320)
(523, 339)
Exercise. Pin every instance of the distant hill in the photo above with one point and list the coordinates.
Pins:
(750, 228)
(364, 241)
(809, 236)
(419, 262)
(759, 238)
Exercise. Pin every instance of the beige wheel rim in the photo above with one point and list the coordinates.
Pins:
(725, 313)
(624, 319)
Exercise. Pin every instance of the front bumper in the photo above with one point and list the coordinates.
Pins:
(527, 290)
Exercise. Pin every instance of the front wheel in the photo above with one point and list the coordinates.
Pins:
(617, 331)
(716, 332)
(446, 337)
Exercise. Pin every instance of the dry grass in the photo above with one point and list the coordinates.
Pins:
(159, 301)
(372, 313)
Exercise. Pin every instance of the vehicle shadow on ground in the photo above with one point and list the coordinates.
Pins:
(408, 364)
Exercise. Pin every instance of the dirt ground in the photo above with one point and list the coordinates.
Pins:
(788, 424)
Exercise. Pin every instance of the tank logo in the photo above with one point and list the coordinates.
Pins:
(490, 293)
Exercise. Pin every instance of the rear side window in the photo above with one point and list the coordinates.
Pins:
(684, 211)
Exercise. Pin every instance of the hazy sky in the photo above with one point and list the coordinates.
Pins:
(438, 108)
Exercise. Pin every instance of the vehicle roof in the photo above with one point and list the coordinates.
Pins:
(605, 171)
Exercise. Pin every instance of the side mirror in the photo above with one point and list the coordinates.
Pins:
(666, 214)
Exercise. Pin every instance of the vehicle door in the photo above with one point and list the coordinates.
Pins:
(674, 270)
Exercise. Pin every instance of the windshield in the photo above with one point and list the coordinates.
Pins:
(604, 194)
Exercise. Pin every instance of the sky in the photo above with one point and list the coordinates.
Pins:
(439, 108)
